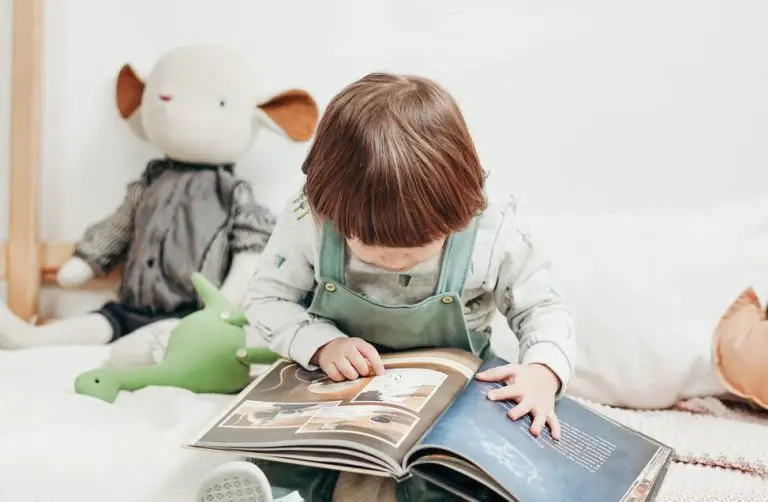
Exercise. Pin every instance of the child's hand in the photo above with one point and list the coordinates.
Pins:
(533, 387)
(348, 358)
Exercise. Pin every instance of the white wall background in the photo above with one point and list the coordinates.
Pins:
(595, 105)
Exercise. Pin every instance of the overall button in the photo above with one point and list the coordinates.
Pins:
(329, 286)
(447, 299)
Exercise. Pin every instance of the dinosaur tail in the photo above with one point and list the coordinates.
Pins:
(105, 383)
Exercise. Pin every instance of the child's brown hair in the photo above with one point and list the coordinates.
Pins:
(393, 163)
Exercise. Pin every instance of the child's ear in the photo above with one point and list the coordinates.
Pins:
(128, 95)
(293, 113)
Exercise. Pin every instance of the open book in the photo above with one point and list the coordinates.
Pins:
(428, 416)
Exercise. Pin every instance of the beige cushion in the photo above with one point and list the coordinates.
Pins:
(741, 349)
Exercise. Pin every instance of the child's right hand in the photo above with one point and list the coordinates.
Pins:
(348, 359)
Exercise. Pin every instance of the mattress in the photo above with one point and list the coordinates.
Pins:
(60, 446)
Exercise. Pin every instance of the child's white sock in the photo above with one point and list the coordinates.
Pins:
(15, 333)
(238, 481)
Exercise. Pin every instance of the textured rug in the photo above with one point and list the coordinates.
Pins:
(721, 450)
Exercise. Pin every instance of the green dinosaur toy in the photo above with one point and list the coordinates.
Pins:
(206, 354)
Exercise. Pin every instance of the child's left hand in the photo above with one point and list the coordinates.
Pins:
(533, 387)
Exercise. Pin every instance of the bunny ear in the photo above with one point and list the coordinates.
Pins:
(128, 94)
(293, 113)
(128, 91)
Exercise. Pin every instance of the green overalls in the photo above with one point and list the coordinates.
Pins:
(437, 321)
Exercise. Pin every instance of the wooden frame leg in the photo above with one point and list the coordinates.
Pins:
(23, 256)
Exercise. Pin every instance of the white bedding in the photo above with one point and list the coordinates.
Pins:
(57, 446)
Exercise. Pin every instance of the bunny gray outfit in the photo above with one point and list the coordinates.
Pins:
(178, 218)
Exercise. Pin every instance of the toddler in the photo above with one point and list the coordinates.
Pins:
(394, 213)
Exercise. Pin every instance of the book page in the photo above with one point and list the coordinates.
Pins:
(595, 457)
(475, 484)
(382, 415)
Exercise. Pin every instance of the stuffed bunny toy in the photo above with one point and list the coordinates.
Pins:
(188, 212)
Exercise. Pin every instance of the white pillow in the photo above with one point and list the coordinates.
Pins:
(648, 289)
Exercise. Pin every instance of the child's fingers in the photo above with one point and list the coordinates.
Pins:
(523, 408)
(346, 369)
(359, 362)
(539, 419)
(507, 392)
(498, 373)
(554, 425)
(332, 372)
(373, 357)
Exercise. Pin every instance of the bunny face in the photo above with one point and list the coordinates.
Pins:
(200, 104)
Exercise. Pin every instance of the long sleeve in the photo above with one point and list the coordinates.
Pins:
(285, 277)
(527, 295)
(106, 243)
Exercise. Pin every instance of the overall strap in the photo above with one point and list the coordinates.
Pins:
(457, 259)
(332, 247)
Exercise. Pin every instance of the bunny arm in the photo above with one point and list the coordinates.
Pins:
(242, 269)
(105, 243)
(251, 226)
